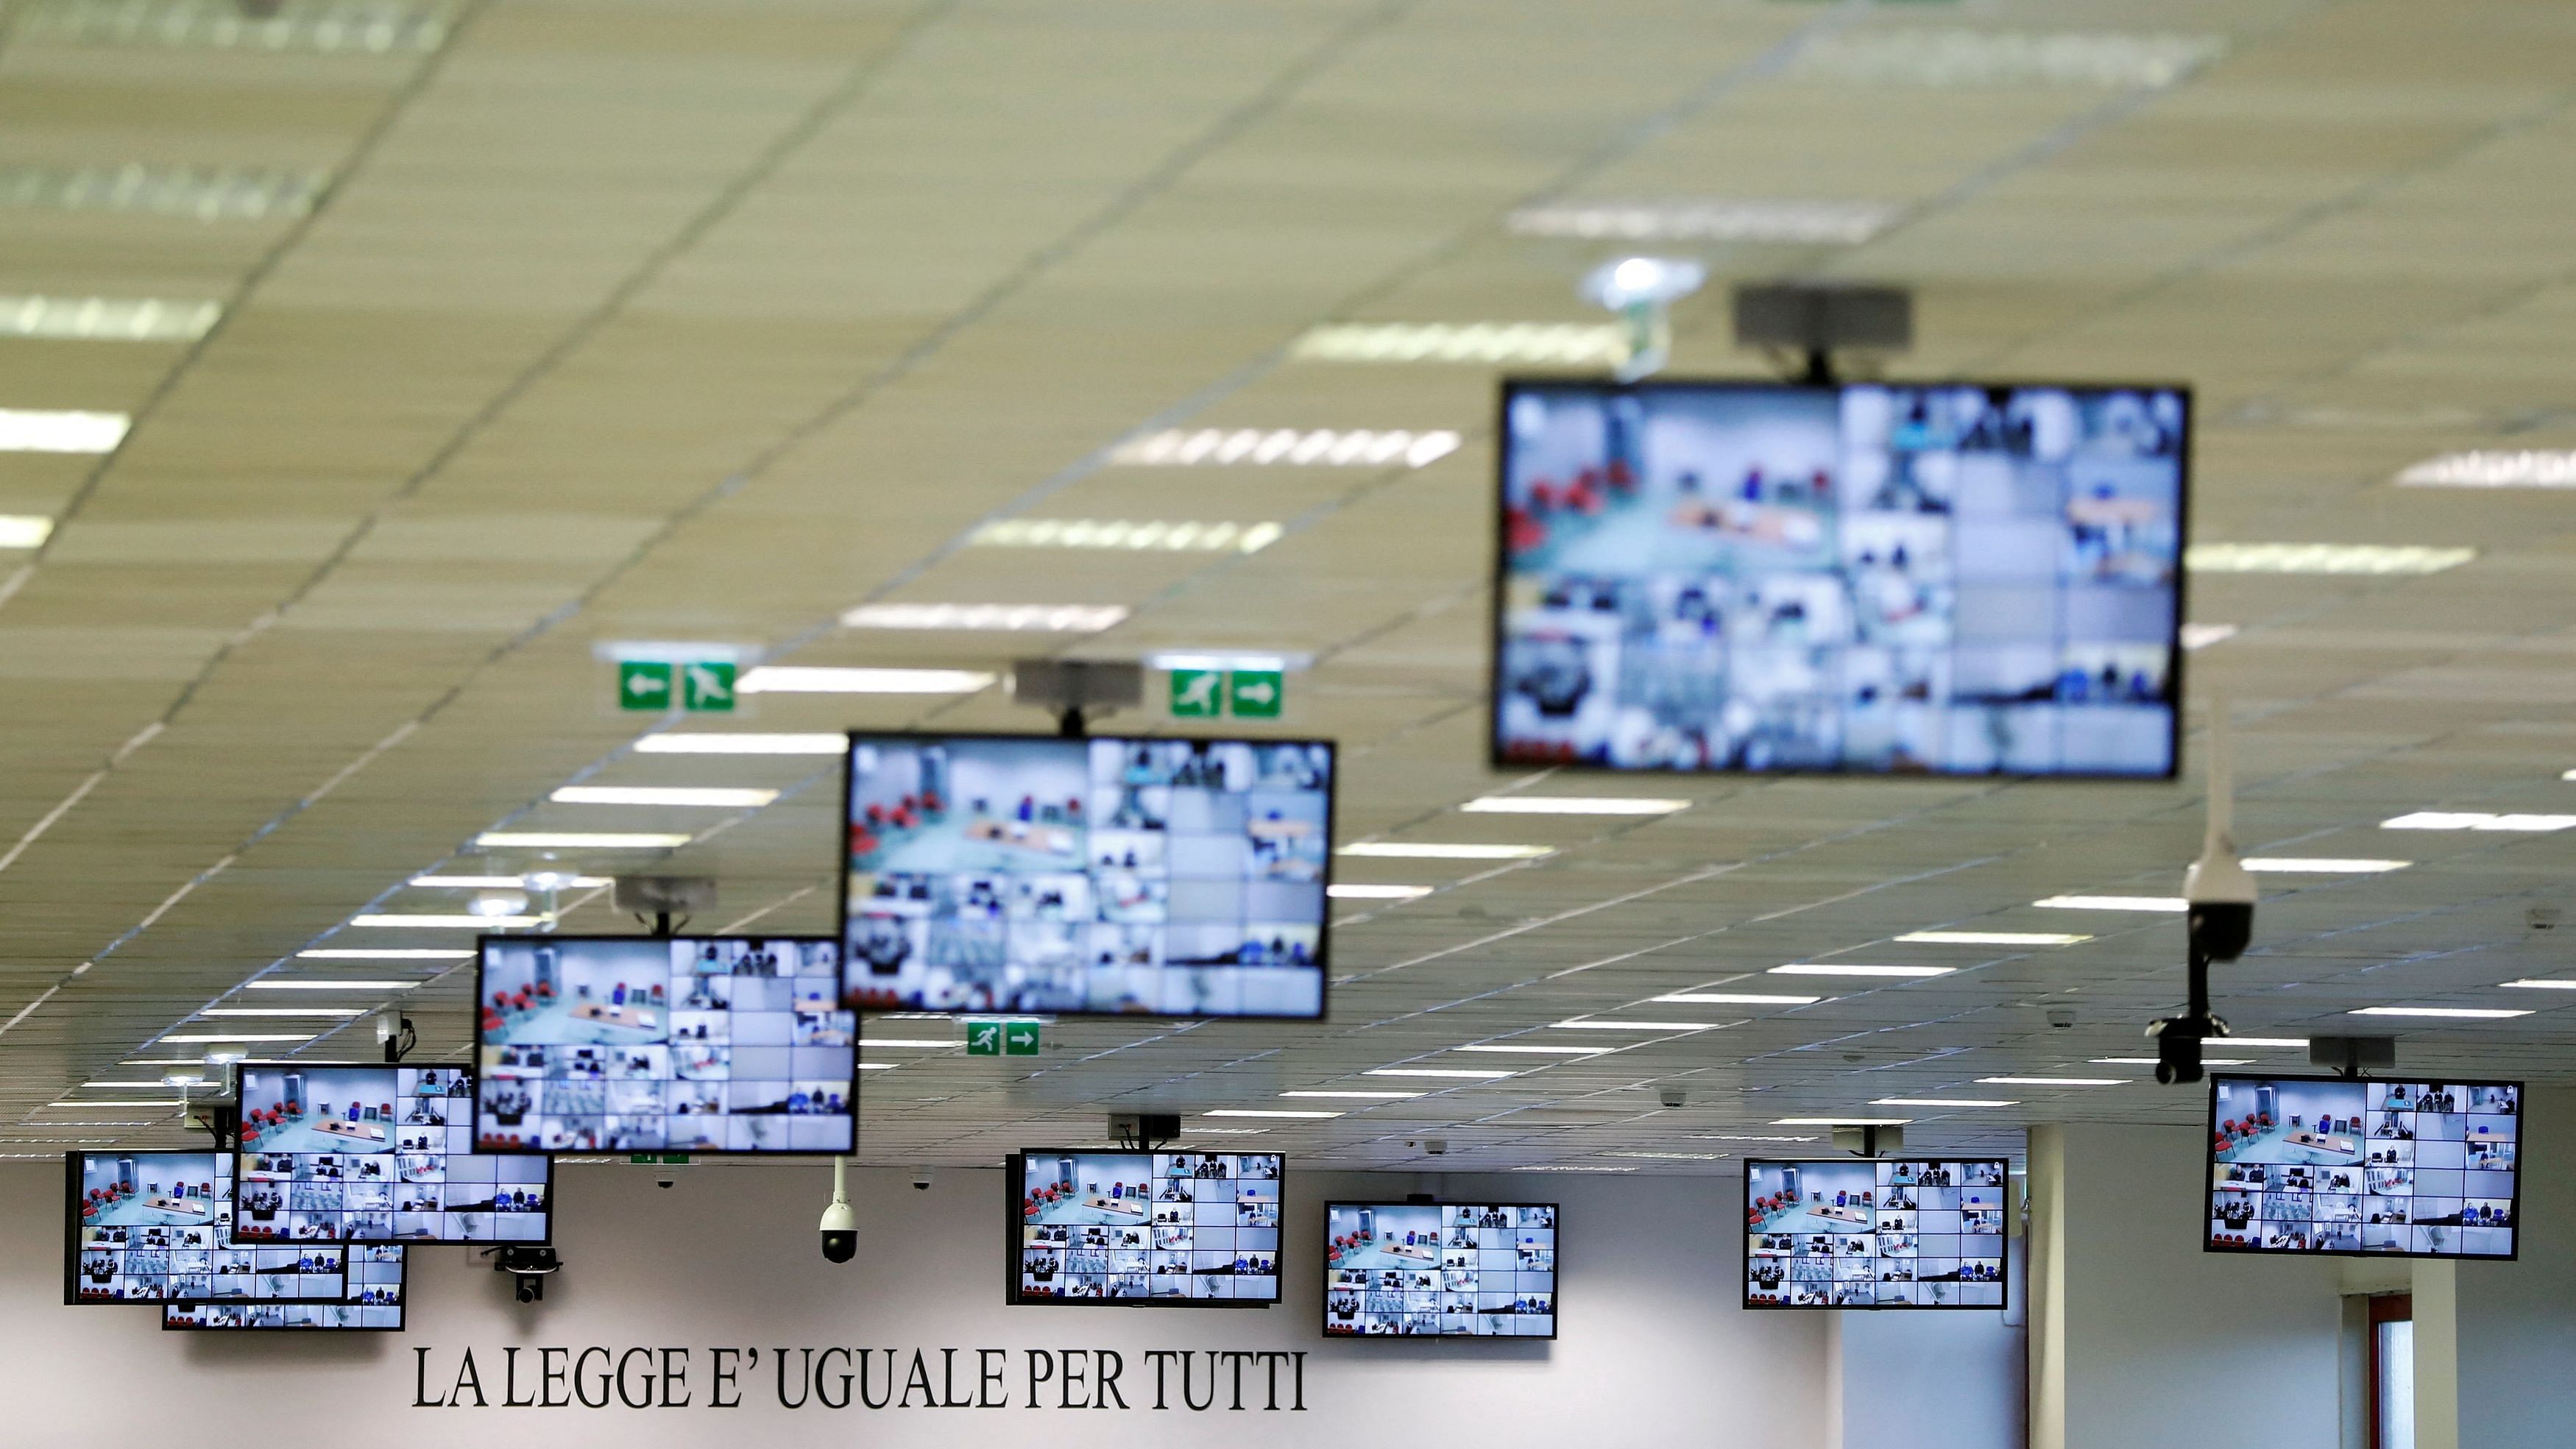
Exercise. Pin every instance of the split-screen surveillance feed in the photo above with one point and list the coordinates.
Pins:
(1902, 1233)
(377, 1154)
(1168, 1229)
(693, 1044)
(1457, 1270)
(1176, 877)
(374, 1301)
(1871, 578)
(2418, 1169)
(157, 1227)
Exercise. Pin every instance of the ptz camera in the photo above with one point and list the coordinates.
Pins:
(840, 1225)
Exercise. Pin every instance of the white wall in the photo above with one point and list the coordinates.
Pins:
(2517, 1321)
(2163, 1344)
(1652, 1351)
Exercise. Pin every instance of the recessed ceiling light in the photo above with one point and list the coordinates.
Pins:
(2524, 468)
(800, 679)
(1673, 1156)
(153, 1082)
(1271, 661)
(2530, 984)
(342, 1013)
(1251, 1112)
(876, 1066)
(274, 983)
(580, 840)
(745, 744)
(1991, 938)
(2154, 1061)
(2054, 1081)
(2114, 903)
(106, 319)
(1416, 850)
(1594, 1023)
(2477, 820)
(1744, 1137)
(1571, 805)
(699, 796)
(504, 882)
(240, 1036)
(1735, 998)
(2201, 636)
(442, 922)
(1834, 223)
(1117, 533)
(2322, 558)
(1573, 344)
(1552, 1051)
(92, 1106)
(2462, 1013)
(422, 953)
(31, 430)
(1346, 892)
(1841, 1121)
(1464, 1074)
(907, 1041)
(1944, 1102)
(1223, 1131)
(1318, 447)
(206, 193)
(328, 28)
(2266, 1041)
(1366, 1096)
(989, 618)
(25, 530)
(1961, 59)
(1837, 968)
(2305, 865)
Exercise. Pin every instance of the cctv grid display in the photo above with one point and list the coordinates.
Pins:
(382, 1315)
(699, 1044)
(156, 1227)
(1158, 1229)
(2419, 1169)
(1179, 877)
(1857, 1233)
(1457, 1270)
(1948, 579)
(377, 1154)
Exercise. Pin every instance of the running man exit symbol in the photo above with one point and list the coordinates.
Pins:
(1195, 693)
(983, 1038)
(1255, 693)
(708, 687)
(1020, 1038)
(643, 685)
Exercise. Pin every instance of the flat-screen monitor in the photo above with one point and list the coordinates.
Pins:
(1152, 1229)
(1440, 1270)
(352, 1153)
(700, 1044)
(1889, 1233)
(375, 1303)
(1176, 877)
(2413, 1168)
(147, 1227)
(1949, 578)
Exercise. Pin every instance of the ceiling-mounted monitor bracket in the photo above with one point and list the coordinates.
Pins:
(669, 900)
(1144, 1131)
(2347, 1056)
(1810, 321)
(221, 1121)
(1870, 1141)
(1074, 690)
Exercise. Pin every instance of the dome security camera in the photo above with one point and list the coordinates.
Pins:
(840, 1225)
(921, 1179)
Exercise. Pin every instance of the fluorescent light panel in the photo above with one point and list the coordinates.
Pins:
(106, 319)
(2113, 903)
(1464, 1074)
(1572, 344)
(1571, 805)
(1368, 1096)
(989, 618)
(323, 26)
(342, 1013)
(1423, 850)
(502, 882)
(1673, 1156)
(2201, 636)
(2531, 984)
(43, 430)
(350, 953)
(1594, 1023)
(274, 983)
(1814, 223)
(800, 679)
(205, 193)
(1166, 536)
(581, 840)
(2265, 1041)
(2496, 468)
(2322, 558)
(1255, 1112)
(229, 1036)
(1744, 1137)
(2000, 59)
(2478, 820)
(2154, 1061)
(2054, 1081)
(1553, 1051)
(441, 922)
(2459, 1013)
(25, 530)
(1990, 938)
(696, 796)
(1841, 1121)
(745, 744)
(1836, 968)
(1735, 998)
(1315, 447)
(907, 1041)
(1944, 1102)
(1376, 892)
(2319, 865)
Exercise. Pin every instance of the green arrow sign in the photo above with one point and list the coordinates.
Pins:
(643, 685)
(1255, 693)
(1020, 1038)
(983, 1038)
(1197, 693)
(707, 687)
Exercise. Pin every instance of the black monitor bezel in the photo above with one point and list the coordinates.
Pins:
(2204, 1194)
(1323, 1300)
(1744, 1237)
(1500, 576)
(1324, 920)
(482, 958)
(1015, 1173)
(476, 1078)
